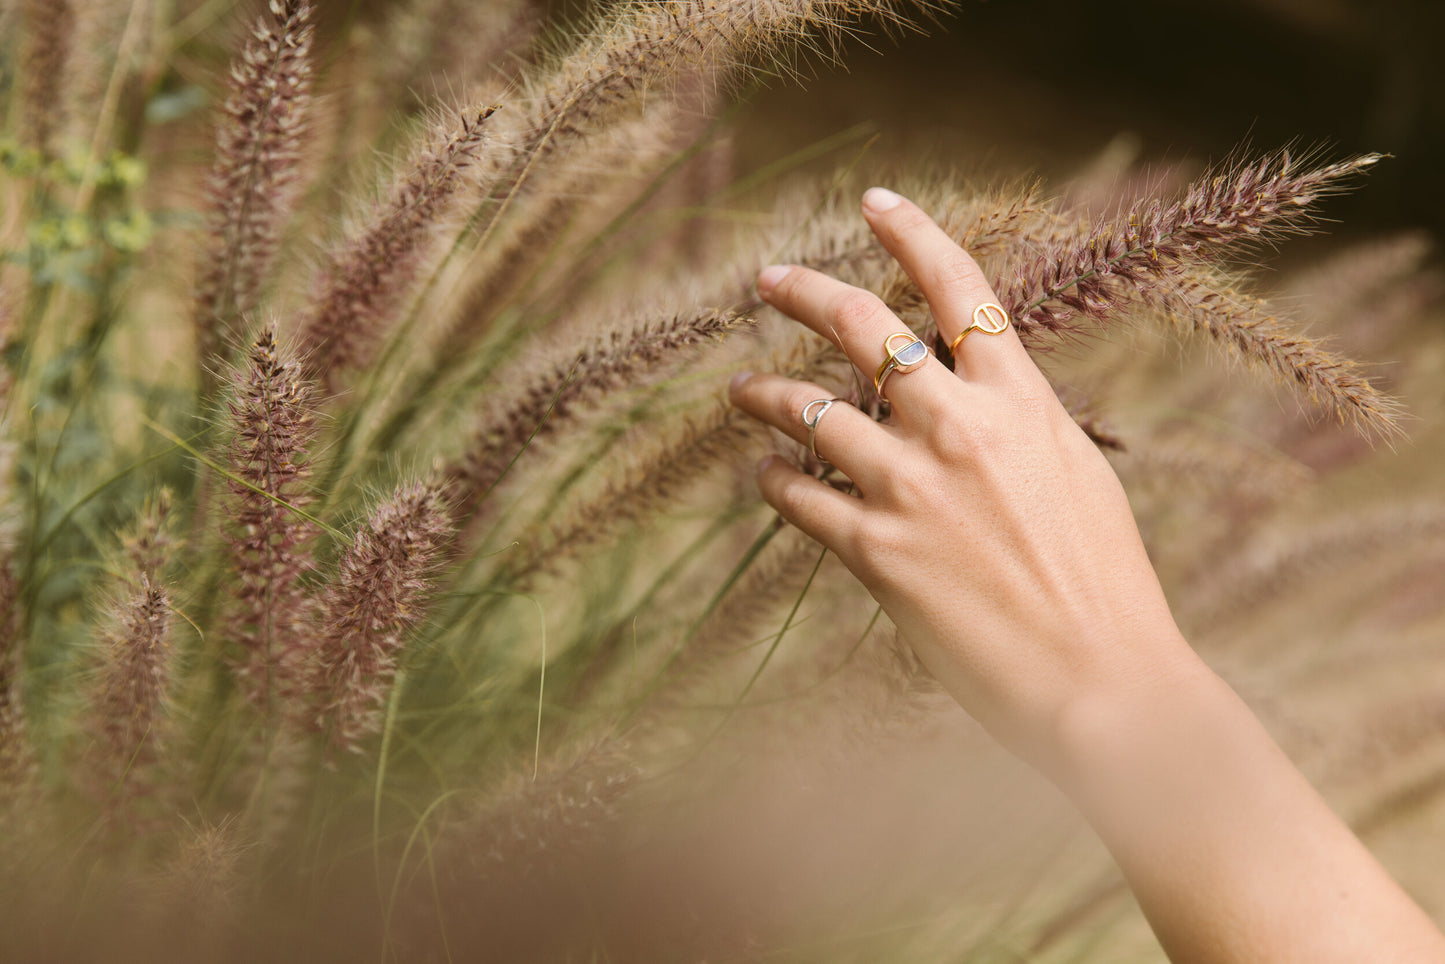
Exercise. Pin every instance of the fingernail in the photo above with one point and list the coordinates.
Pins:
(880, 199)
(738, 379)
(766, 461)
(769, 277)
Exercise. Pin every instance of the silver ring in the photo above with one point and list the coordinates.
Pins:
(812, 423)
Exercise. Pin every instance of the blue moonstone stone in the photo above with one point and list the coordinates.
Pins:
(911, 354)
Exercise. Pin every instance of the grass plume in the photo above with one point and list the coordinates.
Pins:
(609, 363)
(49, 36)
(653, 481)
(1166, 257)
(372, 271)
(273, 418)
(253, 181)
(379, 595)
(1203, 302)
(17, 762)
(1273, 562)
(1098, 269)
(127, 712)
(647, 45)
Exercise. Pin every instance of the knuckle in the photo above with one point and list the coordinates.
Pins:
(796, 399)
(870, 544)
(1034, 407)
(789, 287)
(954, 274)
(903, 488)
(855, 308)
(967, 436)
(791, 497)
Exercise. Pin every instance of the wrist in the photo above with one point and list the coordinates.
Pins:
(1110, 738)
(1230, 852)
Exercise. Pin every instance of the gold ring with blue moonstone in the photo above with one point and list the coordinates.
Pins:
(904, 358)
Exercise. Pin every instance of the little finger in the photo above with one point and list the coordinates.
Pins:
(819, 510)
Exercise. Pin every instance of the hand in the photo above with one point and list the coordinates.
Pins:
(991, 530)
(1000, 542)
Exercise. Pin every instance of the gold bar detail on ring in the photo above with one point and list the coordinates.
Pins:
(988, 318)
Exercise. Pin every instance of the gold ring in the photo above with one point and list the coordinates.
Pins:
(904, 358)
(993, 322)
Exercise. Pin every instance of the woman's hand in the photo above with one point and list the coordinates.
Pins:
(989, 527)
(1001, 544)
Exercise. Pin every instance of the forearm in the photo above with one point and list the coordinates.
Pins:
(1230, 852)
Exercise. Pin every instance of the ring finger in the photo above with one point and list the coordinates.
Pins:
(841, 434)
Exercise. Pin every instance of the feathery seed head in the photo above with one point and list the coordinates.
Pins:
(203, 875)
(16, 759)
(49, 37)
(744, 615)
(378, 597)
(644, 47)
(252, 183)
(1162, 258)
(556, 814)
(150, 545)
(9, 610)
(549, 402)
(371, 273)
(1202, 301)
(1093, 270)
(650, 484)
(272, 414)
(128, 707)
(453, 44)
(1267, 564)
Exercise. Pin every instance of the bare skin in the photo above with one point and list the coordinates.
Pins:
(1000, 542)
